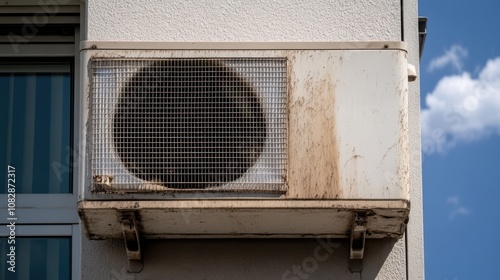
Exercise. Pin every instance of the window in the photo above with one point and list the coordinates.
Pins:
(44, 252)
(35, 116)
(39, 83)
(42, 258)
(38, 79)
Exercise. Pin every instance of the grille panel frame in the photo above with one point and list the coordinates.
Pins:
(267, 76)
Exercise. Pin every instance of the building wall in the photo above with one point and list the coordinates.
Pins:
(278, 20)
(415, 232)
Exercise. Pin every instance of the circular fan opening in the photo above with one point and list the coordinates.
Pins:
(188, 123)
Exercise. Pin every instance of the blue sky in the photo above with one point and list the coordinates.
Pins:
(460, 99)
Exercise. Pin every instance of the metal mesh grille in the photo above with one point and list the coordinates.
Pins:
(184, 123)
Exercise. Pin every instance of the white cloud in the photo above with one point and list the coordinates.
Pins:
(453, 200)
(453, 56)
(462, 108)
(457, 209)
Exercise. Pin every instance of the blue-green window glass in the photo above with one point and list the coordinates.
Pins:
(35, 124)
(41, 258)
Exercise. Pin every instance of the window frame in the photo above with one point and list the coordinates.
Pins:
(51, 208)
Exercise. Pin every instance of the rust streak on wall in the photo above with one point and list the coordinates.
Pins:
(313, 158)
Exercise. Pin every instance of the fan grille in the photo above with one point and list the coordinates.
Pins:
(189, 123)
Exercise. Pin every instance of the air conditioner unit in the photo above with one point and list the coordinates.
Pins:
(244, 139)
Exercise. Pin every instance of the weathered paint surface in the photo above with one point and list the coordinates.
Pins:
(371, 129)
(313, 150)
(348, 125)
(245, 218)
(347, 122)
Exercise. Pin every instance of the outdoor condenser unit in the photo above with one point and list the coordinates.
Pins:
(188, 140)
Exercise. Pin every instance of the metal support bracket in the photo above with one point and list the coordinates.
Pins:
(358, 235)
(130, 229)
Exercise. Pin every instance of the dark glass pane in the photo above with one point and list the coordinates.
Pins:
(35, 124)
(35, 258)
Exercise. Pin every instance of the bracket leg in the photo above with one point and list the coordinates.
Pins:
(130, 229)
(358, 235)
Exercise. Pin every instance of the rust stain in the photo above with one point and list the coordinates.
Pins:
(313, 157)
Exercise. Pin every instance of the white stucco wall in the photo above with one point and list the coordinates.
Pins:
(242, 20)
(242, 259)
(415, 231)
(278, 20)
